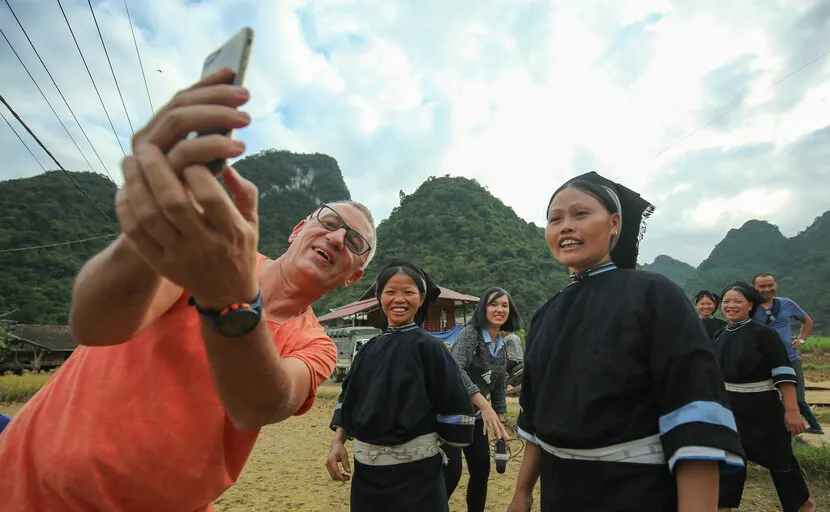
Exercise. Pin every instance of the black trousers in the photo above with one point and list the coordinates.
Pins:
(410, 487)
(477, 455)
(767, 442)
(790, 486)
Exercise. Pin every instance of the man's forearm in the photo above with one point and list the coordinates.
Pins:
(253, 382)
(806, 328)
(112, 296)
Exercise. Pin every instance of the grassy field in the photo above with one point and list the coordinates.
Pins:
(286, 470)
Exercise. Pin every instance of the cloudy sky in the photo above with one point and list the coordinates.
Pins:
(518, 94)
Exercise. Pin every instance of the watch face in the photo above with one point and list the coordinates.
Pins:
(237, 323)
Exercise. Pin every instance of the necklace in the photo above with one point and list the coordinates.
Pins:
(738, 325)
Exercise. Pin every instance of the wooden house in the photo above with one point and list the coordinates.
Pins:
(37, 347)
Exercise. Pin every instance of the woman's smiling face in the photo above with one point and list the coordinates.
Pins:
(400, 300)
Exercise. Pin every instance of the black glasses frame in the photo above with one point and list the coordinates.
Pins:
(349, 230)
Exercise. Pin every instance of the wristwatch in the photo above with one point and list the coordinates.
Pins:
(235, 320)
(801, 341)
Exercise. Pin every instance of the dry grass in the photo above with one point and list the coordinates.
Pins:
(286, 470)
(20, 388)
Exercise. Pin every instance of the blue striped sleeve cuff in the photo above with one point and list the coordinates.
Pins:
(727, 459)
(337, 417)
(701, 423)
(782, 374)
(698, 412)
(455, 429)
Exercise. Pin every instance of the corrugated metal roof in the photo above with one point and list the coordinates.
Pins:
(350, 309)
(50, 337)
(448, 294)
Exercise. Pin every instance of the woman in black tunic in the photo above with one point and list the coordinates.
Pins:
(402, 398)
(622, 401)
(706, 304)
(756, 369)
(480, 353)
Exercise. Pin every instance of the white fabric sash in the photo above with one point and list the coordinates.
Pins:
(647, 450)
(422, 447)
(751, 387)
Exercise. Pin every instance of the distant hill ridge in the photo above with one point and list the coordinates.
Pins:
(464, 236)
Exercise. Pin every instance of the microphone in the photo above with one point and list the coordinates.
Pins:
(501, 456)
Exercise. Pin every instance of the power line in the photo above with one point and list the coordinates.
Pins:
(65, 102)
(23, 123)
(738, 105)
(23, 141)
(58, 244)
(114, 132)
(46, 99)
(140, 65)
(733, 108)
(111, 68)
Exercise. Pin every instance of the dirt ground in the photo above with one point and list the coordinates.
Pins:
(286, 473)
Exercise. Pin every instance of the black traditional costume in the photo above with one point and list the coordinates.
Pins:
(711, 324)
(755, 364)
(402, 399)
(621, 383)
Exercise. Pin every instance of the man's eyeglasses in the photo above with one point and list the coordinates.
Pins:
(332, 221)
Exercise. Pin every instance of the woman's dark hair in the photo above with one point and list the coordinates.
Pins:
(479, 319)
(633, 211)
(706, 294)
(750, 293)
(426, 286)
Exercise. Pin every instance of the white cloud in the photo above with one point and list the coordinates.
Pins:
(520, 95)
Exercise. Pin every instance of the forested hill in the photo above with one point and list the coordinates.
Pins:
(468, 241)
(465, 237)
(676, 270)
(801, 264)
(47, 209)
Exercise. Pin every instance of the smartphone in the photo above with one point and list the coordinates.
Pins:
(235, 54)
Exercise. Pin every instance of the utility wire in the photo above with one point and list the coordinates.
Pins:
(733, 108)
(58, 244)
(114, 132)
(140, 65)
(47, 100)
(129, 121)
(23, 141)
(3, 100)
(738, 105)
(65, 102)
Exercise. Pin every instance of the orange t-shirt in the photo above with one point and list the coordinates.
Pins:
(139, 426)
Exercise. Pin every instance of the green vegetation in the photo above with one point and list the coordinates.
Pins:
(816, 343)
(468, 241)
(465, 237)
(800, 264)
(20, 388)
(677, 271)
(35, 285)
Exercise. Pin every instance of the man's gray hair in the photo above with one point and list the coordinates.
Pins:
(368, 214)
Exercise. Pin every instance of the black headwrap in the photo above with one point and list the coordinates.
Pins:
(633, 210)
(425, 285)
(707, 294)
(750, 293)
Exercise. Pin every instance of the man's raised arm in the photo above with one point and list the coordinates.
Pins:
(116, 295)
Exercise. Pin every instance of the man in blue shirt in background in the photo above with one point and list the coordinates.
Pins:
(776, 312)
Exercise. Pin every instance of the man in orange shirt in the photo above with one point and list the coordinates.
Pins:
(190, 340)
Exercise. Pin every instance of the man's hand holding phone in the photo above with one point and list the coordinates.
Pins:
(173, 210)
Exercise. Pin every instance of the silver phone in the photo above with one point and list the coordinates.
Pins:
(234, 54)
